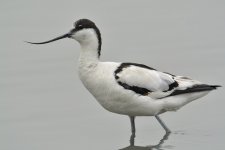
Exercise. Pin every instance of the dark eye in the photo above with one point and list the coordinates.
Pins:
(79, 27)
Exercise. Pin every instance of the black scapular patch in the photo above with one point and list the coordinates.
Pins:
(125, 65)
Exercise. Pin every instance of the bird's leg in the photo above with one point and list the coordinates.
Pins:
(163, 124)
(132, 124)
(158, 146)
(132, 130)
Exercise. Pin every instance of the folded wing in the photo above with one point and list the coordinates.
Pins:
(147, 81)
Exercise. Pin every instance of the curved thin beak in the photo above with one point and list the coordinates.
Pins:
(67, 35)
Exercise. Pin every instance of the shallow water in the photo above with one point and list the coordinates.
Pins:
(43, 105)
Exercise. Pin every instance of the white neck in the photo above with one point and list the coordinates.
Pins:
(89, 49)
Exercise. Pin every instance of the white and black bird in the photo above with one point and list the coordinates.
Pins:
(130, 89)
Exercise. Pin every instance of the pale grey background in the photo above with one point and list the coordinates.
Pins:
(44, 106)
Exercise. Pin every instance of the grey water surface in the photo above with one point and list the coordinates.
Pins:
(44, 106)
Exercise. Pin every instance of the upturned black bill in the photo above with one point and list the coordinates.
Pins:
(55, 39)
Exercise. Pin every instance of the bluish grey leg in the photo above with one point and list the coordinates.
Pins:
(132, 124)
(133, 130)
(163, 124)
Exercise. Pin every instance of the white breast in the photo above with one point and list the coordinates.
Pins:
(98, 78)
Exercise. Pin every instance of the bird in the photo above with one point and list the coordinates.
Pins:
(127, 88)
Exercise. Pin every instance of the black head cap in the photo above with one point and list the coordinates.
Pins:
(88, 24)
(84, 23)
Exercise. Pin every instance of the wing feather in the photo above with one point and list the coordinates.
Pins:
(147, 81)
(157, 83)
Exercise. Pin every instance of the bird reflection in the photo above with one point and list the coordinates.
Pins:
(151, 147)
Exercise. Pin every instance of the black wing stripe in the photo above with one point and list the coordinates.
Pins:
(136, 89)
